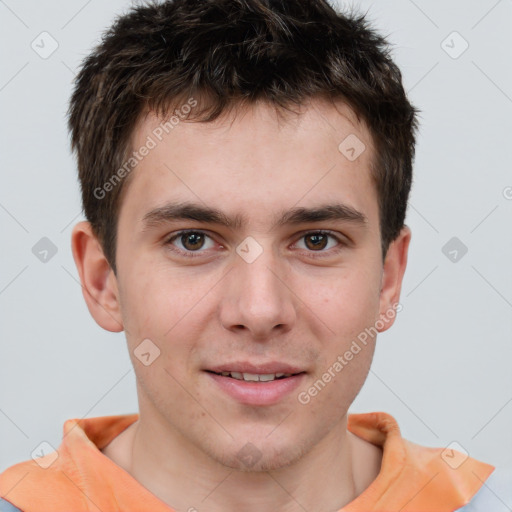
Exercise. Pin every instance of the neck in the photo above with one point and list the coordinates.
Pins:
(328, 477)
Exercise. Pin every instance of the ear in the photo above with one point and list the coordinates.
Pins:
(99, 284)
(392, 275)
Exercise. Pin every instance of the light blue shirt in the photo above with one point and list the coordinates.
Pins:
(495, 495)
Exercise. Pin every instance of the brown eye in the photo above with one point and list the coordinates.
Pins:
(187, 242)
(325, 243)
(316, 241)
(192, 241)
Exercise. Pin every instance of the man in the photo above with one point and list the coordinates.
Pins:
(245, 167)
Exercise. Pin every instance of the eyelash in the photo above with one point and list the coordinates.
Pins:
(194, 254)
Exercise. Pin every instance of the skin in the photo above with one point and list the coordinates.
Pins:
(215, 307)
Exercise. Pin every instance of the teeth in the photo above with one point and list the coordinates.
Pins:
(251, 377)
(254, 377)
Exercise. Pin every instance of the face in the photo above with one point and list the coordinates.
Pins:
(251, 245)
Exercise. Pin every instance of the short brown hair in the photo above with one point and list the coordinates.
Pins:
(235, 51)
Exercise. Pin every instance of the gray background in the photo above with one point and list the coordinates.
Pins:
(443, 370)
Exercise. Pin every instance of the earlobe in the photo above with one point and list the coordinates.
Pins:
(392, 276)
(99, 284)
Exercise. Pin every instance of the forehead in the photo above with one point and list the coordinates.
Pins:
(254, 160)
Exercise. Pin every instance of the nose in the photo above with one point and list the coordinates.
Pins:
(257, 299)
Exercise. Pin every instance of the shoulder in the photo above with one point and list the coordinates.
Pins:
(495, 493)
(27, 482)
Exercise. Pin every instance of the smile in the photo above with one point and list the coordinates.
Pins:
(255, 377)
(256, 389)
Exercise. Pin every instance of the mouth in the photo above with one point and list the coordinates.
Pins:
(255, 377)
(256, 386)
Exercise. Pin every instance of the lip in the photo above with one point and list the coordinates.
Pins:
(257, 393)
(264, 368)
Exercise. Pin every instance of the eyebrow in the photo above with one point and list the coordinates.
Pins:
(192, 211)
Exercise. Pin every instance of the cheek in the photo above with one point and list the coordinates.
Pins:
(347, 303)
(155, 302)
(171, 310)
(161, 317)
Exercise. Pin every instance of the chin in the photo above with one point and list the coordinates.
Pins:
(251, 459)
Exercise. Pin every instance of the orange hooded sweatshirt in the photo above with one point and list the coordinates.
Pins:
(78, 477)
